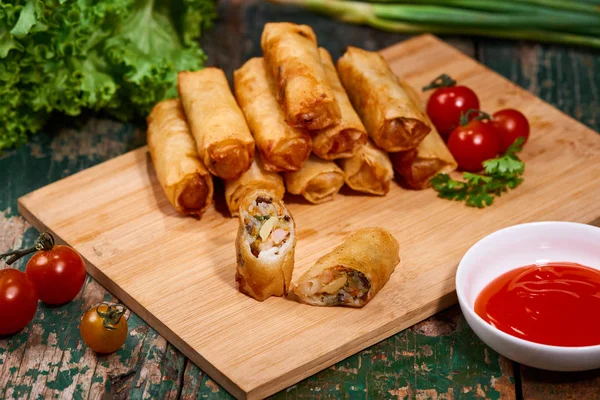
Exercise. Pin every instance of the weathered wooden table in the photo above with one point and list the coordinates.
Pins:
(439, 358)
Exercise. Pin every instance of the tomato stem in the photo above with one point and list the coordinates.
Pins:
(440, 82)
(464, 117)
(112, 316)
(44, 242)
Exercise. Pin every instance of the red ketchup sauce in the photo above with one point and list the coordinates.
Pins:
(556, 304)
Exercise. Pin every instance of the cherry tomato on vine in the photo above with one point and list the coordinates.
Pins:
(473, 142)
(18, 301)
(510, 125)
(448, 103)
(58, 274)
(104, 328)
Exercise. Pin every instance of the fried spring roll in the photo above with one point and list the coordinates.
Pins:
(353, 272)
(317, 181)
(369, 170)
(222, 136)
(343, 139)
(292, 60)
(187, 183)
(257, 177)
(265, 245)
(431, 157)
(392, 119)
(282, 147)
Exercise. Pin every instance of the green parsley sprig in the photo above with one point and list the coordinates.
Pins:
(478, 190)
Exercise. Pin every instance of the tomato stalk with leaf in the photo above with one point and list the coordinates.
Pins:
(57, 271)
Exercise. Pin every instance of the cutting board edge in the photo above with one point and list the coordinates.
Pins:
(234, 389)
(353, 347)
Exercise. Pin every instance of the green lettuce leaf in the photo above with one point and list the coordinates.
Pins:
(120, 56)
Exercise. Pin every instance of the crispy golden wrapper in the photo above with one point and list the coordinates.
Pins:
(257, 177)
(218, 125)
(431, 157)
(282, 147)
(344, 138)
(317, 181)
(392, 119)
(187, 183)
(292, 60)
(369, 170)
(265, 258)
(353, 273)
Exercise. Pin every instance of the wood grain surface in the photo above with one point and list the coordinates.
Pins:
(439, 358)
(177, 273)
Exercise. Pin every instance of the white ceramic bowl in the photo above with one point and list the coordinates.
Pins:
(514, 247)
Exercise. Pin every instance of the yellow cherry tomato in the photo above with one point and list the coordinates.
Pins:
(104, 328)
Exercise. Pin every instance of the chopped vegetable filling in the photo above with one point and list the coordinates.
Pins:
(266, 229)
(343, 286)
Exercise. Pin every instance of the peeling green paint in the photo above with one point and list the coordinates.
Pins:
(18, 391)
(17, 340)
(63, 380)
(36, 372)
(78, 394)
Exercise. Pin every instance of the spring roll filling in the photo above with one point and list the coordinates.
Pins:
(338, 286)
(266, 232)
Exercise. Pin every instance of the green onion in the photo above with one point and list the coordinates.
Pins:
(469, 18)
(585, 6)
(532, 22)
(481, 5)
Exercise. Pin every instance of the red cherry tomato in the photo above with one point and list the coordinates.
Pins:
(510, 125)
(18, 301)
(472, 144)
(57, 274)
(448, 103)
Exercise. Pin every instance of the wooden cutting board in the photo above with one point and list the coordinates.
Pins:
(177, 273)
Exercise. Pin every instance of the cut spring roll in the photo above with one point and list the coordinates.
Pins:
(265, 245)
(222, 136)
(369, 170)
(392, 119)
(255, 178)
(343, 139)
(282, 147)
(187, 183)
(292, 60)
(431, 157)
(353, 273)
(317, 181)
